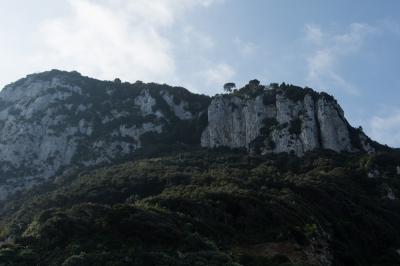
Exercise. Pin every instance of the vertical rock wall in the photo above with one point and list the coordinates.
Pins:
(301, 125)
(235, 122)
(333, 126)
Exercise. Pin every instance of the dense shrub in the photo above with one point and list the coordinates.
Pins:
(195, 201)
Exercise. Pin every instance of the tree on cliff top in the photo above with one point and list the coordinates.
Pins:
(254, 83)
(228, 86)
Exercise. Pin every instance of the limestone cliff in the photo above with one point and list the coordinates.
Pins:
(281, 119)
(56, 120)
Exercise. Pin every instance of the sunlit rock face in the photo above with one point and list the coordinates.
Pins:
(234, 122)
(53, 121)
(273, 122)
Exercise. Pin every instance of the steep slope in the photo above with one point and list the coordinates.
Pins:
(56, 120)
(319, 209)
(277, 119)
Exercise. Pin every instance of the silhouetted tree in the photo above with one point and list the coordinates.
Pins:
(228, 86)
(254, 83)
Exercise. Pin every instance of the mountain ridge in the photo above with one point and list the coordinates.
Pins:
(57, 119)
(53, 121)
(110, 173)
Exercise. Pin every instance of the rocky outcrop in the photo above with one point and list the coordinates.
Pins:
(52, 121)
(387, 192)
(318, 250)
(284, 125)
(333, 126)
(180, 110)
(146, 104)
(234, 122)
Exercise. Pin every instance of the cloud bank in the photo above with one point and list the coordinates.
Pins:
(126, 39)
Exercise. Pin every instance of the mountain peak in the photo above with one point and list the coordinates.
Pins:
(284, 118)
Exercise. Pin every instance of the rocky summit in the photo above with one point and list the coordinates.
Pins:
(54, 121)
(281, 119)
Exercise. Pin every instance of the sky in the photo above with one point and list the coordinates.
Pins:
(349, 49)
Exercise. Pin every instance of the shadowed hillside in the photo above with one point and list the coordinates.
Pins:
(207, 205)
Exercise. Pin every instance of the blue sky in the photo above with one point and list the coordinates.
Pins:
(349, 49)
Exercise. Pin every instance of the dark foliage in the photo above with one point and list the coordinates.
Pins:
(148, 210)
(228, 86)
(295, 126)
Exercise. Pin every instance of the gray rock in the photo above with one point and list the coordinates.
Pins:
(236, 122)
(52, 122)
(49, 124)
(333, 128)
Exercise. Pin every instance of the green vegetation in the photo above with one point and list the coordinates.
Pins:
(277, 259)
(182, 209)
(264, 139)
(228, 86)
(270, 97)
(292, 92)
(295, 126)
(355, 137)
(14, 111)
(253, 89)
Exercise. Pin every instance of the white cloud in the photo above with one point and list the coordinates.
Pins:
(112, 41)
(207, 3)
(385, 127)
(321, 71)
(246, 49)
(126, 39)
(217, 74)
(322, 63)
(314, 33)
(152, 41)
(352, 41)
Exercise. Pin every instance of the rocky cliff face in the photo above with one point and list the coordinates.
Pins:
(288, 119)
(52, 121)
